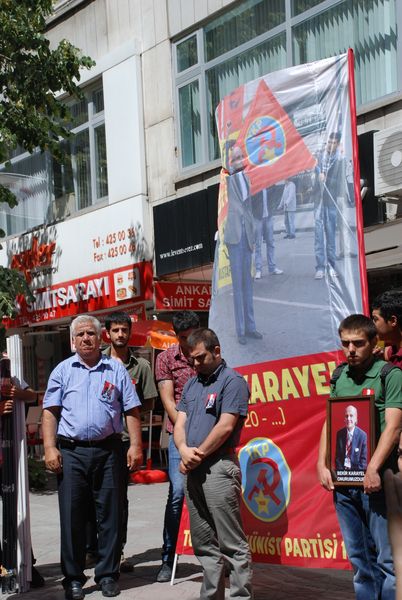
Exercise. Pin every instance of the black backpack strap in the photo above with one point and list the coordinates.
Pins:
(387, 368)
(336, 373)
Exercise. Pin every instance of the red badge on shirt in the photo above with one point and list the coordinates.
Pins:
(368, 392)
(211, 399)
(107, 391)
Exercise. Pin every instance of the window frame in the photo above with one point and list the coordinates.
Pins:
(199, 71)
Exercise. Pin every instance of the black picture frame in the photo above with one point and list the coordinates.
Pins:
(348, 459)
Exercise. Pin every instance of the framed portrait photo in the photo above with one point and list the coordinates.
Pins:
(351, 438)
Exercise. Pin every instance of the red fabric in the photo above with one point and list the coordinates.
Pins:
(149, 476)
(394, 355)
(286, 416)
(280, 151)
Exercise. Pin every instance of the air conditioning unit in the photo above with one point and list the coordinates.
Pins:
(388, 162)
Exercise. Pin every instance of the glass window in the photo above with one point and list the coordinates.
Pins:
(59, 186)
(190, 123)
(100, 162)
(227, 76)
(28, 180)
(369, 26)
(79, 112)
(250, 40)
(97, 100)
(299, 6)
(80, 159)
(186, 54)
(242, 24)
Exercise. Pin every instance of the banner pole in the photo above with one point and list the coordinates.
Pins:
(356, 164)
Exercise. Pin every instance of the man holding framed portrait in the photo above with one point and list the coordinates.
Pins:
(360, 506)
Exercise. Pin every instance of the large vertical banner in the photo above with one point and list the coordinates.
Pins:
(289, 267)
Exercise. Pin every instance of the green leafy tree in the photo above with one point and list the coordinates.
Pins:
(32, 74)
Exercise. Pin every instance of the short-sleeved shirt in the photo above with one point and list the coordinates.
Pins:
(92, 400)
(172, 365)
(346, 385)
(394, 356)
(141, 377)
(204, 400)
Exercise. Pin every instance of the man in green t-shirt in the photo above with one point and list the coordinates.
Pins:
(362, 512)
(118, 328)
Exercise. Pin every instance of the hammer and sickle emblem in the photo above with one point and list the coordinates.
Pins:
(268, 488)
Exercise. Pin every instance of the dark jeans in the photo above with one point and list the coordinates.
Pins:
(91, 476)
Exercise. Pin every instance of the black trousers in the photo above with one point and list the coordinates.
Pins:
(91, 476)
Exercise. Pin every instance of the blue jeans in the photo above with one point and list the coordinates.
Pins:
(174, 504)
(290, 222)
(362, 519)
(324, 237)
(242, 285)
(264, 228)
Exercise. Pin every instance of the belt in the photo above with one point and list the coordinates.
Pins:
(65, 442)
(221, 452)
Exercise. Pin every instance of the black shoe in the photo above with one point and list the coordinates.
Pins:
(292, 237)
(286, 237)
(109, 587)
(165, 573)
(74, 591)
(37, 579)
(254, 334)
(242, 340)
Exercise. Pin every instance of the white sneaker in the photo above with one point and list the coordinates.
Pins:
(276, 272)
(332, 272)
(319, 274)
(257, 275)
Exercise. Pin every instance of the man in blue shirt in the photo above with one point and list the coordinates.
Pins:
(211, 414)
(85, 399)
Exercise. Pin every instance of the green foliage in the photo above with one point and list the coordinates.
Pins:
(12, 284)
(31, 75)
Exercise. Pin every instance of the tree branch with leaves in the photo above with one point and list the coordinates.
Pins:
(32, 77)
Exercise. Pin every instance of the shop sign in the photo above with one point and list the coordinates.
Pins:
(118, 287)
(189, 241)
(103, 240)
(182, 296)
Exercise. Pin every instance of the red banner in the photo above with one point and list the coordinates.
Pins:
(289, 267)
(182, 295)
(272, 146)
(118, 287)
(289, 519)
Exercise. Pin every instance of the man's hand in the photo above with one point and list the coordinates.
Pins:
(7, 391)
(182, 468)
(325, 477)
(371, 481)
(134, 457)
(6, 407)
(191, 457)
(53, 459)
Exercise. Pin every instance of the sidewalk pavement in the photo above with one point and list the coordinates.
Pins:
(147, 503)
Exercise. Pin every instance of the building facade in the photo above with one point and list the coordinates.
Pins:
(138, 188)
